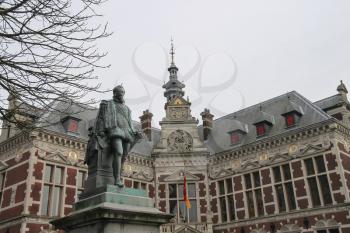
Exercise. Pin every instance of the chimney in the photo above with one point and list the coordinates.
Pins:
(146, 124)
(207, 118)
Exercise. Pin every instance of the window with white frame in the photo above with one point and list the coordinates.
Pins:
(284, 188)
(177, 205)
(226, 200)
(318, 182)
(329, 230)
(51, 202)
(2, 182)
(254, 200)
(139, 185)
(81, 177)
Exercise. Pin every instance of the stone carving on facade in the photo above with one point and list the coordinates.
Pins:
(178, 175)
(178, 113)
(218, 173)
(258, 230)
(290, 228)
(137, 172)
(325, 223)
(180, 141)
(293, 149)
(73, 157)
(280, 157)
(250, 164)
(311, 149)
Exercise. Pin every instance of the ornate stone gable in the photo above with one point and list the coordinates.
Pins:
(178, 176)
(186, 229)
(178, 109)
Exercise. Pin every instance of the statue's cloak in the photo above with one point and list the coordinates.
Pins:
(113, 120)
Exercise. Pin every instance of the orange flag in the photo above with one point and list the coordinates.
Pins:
(186, 200)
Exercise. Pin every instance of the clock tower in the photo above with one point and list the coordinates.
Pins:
(180, 153)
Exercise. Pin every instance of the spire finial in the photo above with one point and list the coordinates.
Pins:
(342, 88)
(172, 51)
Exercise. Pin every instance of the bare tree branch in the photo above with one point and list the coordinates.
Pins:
(48, 54)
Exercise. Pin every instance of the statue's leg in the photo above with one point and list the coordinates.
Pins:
(117, 160)
(126, 149)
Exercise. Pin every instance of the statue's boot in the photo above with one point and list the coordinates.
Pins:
(119, 182)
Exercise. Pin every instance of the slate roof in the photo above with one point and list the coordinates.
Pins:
(330, 102)
(219, 139)
(87, 118)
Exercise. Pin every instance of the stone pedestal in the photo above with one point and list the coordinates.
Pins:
(110, 209)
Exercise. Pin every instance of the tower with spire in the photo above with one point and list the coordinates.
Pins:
(173, 87)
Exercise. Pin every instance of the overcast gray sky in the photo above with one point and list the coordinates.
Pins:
(256, 49)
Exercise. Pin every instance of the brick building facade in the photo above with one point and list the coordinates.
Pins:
(282, 165)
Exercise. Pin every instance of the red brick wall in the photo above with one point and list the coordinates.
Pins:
(161, 190)
(38, 170)
(237, 181)
(20, 193)
(35, 228)
(16, 174)
(265, 175)
(11, 229)
(71, 176)
(297, 169)
(151, 191)
(11, 212)
(70, 196)
(202, 190)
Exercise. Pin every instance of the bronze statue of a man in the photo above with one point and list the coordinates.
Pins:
(114, 134)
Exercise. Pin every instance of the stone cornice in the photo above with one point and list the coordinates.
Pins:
(14, 142)
(64, 140)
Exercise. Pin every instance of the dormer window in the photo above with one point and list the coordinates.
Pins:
(70, 124)
(260, 129)
(236, 130)
(290, 120)
(292, 114)
(263, 123)
(236, 137)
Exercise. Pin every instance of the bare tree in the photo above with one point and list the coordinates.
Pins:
(48, 55)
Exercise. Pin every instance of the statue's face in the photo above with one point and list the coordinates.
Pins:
(118, 94)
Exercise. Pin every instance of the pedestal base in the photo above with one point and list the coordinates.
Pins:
(114, 210)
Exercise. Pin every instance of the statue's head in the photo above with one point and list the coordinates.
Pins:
(118, 93)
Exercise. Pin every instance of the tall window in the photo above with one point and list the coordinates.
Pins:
(253, 194)
(318, 181)
(330, 230)
(226, 200)
(284, 188)
(177, 204)
(52, 191)
(139, 185)
(81, 177)
(2, 182)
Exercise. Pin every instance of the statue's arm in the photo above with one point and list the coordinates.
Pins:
(101, 118)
